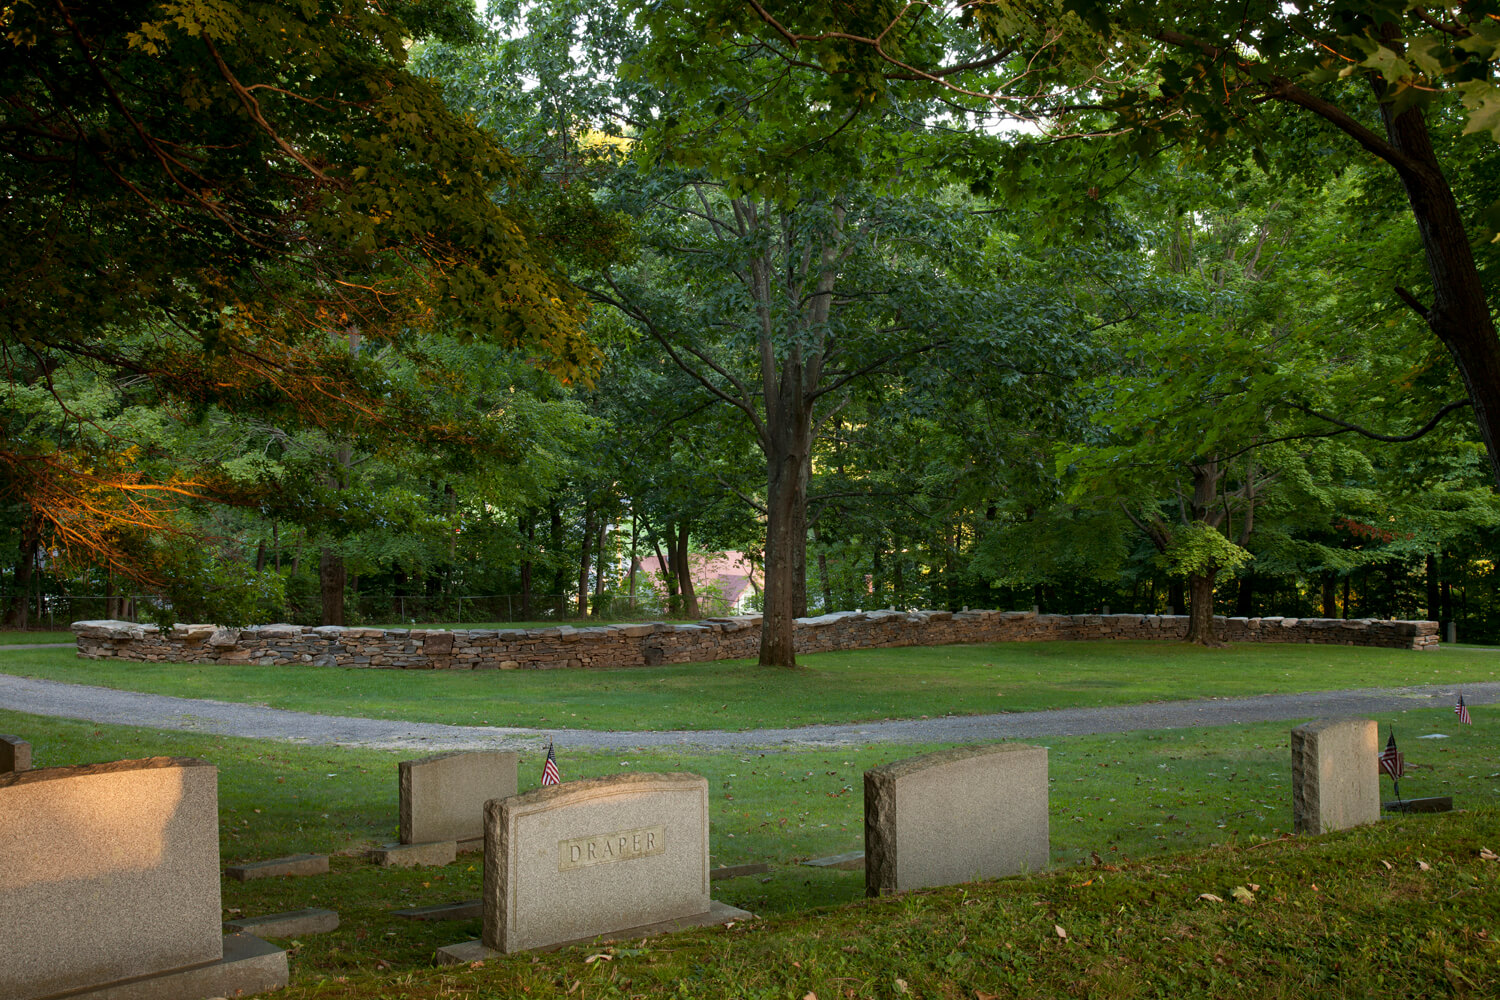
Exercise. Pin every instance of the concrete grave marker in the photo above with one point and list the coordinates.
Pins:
(625, 855)
(956, 816)
(15, 754)
(1335, 775)
(443, 797)
(110, 872)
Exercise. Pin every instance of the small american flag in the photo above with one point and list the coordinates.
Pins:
(1462, 711)
(1391, 761)
(549, 770)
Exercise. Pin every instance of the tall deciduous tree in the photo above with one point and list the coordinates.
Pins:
(210, 198)
(1394, 81)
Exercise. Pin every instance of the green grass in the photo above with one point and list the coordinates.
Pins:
(1136, 801)
(852, 686)
(13, 638)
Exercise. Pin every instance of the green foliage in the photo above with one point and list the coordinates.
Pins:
(1200, 549)
(200, 588)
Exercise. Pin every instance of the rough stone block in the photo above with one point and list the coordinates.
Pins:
(295, 864)
(432, 853)
(443, 797)
(224, 637)
(1335, 775)
(956, 816)
(15, 754)
(584, 858)
(295, 923)
(107, 872)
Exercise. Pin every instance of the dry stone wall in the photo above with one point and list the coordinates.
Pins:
(713, 639)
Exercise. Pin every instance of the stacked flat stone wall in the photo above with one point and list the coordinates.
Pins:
(714, 639)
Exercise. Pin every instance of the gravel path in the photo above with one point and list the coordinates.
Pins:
(130, 708)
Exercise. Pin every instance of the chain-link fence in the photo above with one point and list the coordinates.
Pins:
(512, 608)
(58, 611)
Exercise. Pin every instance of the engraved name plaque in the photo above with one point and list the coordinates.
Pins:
(604, 848)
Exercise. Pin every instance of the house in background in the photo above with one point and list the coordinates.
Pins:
(723, 582)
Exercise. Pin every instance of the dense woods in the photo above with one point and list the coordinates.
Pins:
(333, 314)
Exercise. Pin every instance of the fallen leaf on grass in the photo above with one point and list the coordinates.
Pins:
(1388, 865)
(477, 965)
(1060, 932)
(1485, 854)
(978, 995)
(1423, 866)
(900, 986)
(1242, 895)
(594, 958)
(1210, 897)
(810, 996)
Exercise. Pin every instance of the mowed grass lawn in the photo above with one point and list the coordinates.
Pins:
(854, 686)
(1132, 816)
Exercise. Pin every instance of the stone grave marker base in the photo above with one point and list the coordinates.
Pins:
(249, 966)
(437, 852)
(718, 913)
(295, 923)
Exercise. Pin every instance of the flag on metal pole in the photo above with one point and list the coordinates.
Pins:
(1462, 711)
(549, 769)
(1393, 763)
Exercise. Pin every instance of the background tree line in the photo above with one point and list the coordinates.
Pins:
(819, 312)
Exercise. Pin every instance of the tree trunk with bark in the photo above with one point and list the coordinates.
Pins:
(331, 579)
(683, 568)
(18, 614)
(585, 551)
(1201, 609)
(560, 571)
(1244, 604)
(1459, 313)
(786, 529)
(1432, 587)
(528, 531)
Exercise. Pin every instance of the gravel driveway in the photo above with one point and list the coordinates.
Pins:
(130, 708)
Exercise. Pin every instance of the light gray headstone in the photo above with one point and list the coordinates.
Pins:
(1335, 775)
(956, 816)
(571, 861)
(107, 872)
(15, 754)
(443, 797)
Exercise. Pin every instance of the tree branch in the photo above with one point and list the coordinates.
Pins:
(1391, 438)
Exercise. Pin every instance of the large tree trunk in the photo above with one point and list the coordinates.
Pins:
(17, 615)
(331, 578)
(528, 529)
(1201, 609)
(560, 573)
(786, 535)
(664, 567)
(1459, 313)
(585, 551)
(1432, 586)
(1330, 596)
(683, 568)
(1244, 604)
